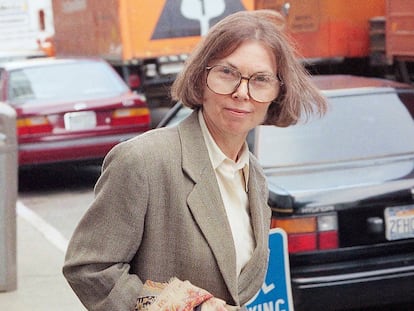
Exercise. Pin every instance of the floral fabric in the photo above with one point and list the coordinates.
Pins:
(178, 295)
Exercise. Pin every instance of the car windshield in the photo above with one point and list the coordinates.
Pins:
(355, 128)
(180, 115)
(66, 81)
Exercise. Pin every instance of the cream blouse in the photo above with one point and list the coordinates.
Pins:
(232, 178)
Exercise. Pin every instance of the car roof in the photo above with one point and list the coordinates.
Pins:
(41, 61)
(346, 82)
(331, 86)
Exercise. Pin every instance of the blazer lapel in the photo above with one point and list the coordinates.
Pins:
(205, 200)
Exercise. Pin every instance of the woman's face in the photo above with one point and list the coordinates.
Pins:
(234, 115)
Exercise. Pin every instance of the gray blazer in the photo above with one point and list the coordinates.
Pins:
(158, 213)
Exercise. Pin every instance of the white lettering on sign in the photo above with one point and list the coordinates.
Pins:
(277, 305)
(13, 5)
(70, 6)
(267, 288)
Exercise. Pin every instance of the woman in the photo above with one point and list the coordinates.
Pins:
(184, 210)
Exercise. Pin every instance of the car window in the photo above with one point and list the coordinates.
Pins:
(64, 81)
(181, 114)
(356, 127)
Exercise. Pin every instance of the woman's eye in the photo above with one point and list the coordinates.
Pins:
(227, 71)
(262, 78)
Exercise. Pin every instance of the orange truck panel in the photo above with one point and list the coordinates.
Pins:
(328, 28)
(164, 33)
(128, 30)
(400, 29)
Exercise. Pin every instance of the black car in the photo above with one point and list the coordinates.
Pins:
(342, 187)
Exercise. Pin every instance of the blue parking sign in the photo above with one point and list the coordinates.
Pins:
(275, 294)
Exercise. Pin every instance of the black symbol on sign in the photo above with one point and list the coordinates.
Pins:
(185, 18)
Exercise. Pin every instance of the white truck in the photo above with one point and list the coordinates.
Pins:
(26, 26)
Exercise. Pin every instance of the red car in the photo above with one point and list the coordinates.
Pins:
(70, 109)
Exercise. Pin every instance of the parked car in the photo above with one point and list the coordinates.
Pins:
(342, 187)
(72, 109)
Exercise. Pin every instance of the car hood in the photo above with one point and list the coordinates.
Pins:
(328, 187)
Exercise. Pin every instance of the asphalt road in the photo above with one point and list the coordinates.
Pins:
(59, 195)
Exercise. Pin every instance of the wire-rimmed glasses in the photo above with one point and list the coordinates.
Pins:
(262, 86)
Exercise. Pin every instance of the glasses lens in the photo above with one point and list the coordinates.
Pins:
(223, 80)
(264, 87)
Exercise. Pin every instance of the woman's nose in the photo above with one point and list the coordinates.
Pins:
(242, 91)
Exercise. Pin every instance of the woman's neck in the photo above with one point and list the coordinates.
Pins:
(231, 146)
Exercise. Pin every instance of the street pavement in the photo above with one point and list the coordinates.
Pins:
(41, 285)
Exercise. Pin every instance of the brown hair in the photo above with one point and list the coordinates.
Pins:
(298, 94)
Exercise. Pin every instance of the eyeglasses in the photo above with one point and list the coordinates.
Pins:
(262, 87)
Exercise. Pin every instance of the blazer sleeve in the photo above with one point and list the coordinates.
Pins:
(108, 236)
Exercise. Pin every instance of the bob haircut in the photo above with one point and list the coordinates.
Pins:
(298, 95)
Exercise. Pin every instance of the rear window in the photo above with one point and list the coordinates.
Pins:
(67, 81)
(355, 127)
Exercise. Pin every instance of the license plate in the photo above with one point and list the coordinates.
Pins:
(399, 222)
(81, 120)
